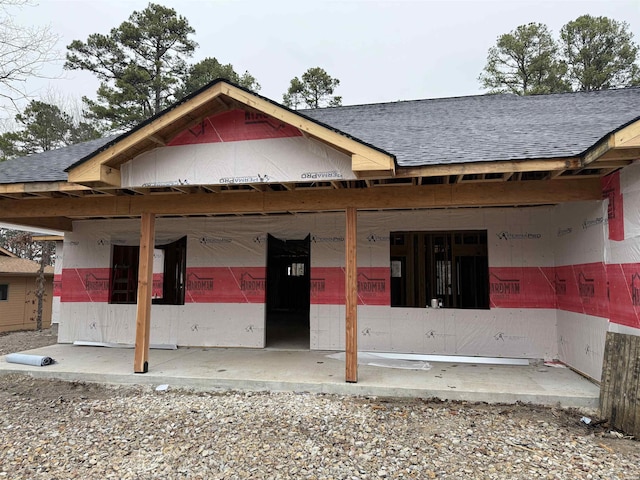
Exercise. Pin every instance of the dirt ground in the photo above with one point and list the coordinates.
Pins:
(11, 342)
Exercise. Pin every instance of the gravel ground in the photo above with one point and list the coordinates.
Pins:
(58, 430)
(21, 341)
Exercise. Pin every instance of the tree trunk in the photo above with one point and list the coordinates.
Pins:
(40, 282)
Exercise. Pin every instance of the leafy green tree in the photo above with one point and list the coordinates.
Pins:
(139, 63)
(210, 69)
(524, 61)
(599, 53)
(293, 97)
(44, 126)
(314, 90)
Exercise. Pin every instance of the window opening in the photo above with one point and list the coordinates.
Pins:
(169, 266)
(451, 268)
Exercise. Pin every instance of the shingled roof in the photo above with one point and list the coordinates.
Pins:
(480, 128)
(487, 127)
(47, 166)
(21, 266)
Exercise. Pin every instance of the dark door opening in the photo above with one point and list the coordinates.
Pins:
(288, 293)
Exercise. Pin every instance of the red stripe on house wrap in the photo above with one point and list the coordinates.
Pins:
(527, 287)
(607, 291)
(234, 285)
(328, 284)
(225, 285)
(374, 286)
(235, 126)
(624, 294)
(85, 285)
(583, 289)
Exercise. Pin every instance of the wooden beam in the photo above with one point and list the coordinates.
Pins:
(482, 168)
(184, 189)
(49, 223)
(158, 139)
(96, 174)
(609, 164)
(599, 150)
(145, 284)
(631, 143)
(629, 154)
(627, 137)
(351, 296)
(372, 166)
(15, 196)
(47, 238)
(487, 194)
(567, 177)
(482, 179)
(38, 187)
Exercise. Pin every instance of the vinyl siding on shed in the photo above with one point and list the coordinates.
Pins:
(19, 311)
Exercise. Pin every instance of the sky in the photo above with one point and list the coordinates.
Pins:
(379, 50)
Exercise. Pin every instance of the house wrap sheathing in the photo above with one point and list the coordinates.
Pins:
(557, 282)
(556, 224)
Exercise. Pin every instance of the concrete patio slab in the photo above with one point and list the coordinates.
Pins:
(311, 371)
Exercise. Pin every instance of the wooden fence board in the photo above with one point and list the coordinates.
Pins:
(631, 397)
(620, 386)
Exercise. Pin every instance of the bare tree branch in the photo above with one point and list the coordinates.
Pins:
(24, 50)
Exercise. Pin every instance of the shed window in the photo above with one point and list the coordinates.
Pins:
(4, 292)
(449, 267)
(168, 287)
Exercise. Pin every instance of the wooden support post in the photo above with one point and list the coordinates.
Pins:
(351, 296)
(145, 284)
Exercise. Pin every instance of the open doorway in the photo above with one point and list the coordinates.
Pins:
(288, 293)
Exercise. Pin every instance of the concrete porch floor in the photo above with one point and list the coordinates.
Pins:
(311, 371)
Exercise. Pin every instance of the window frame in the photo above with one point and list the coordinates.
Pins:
(4, 287)
(124, 266)
(439, 265)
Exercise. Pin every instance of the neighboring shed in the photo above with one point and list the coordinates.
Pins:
(18, 286)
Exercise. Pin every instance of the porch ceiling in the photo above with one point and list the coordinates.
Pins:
(407, 193)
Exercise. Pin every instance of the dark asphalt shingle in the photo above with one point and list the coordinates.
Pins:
(435, 131)
(46, 166)
(486, 127)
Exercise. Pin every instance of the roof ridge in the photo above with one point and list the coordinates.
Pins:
(477, 95)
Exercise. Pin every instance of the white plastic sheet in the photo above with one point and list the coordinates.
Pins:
(294, 159)
(379, 360)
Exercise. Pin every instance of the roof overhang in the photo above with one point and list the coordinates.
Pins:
(94, 191)
(620, 145)
(6, 253)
